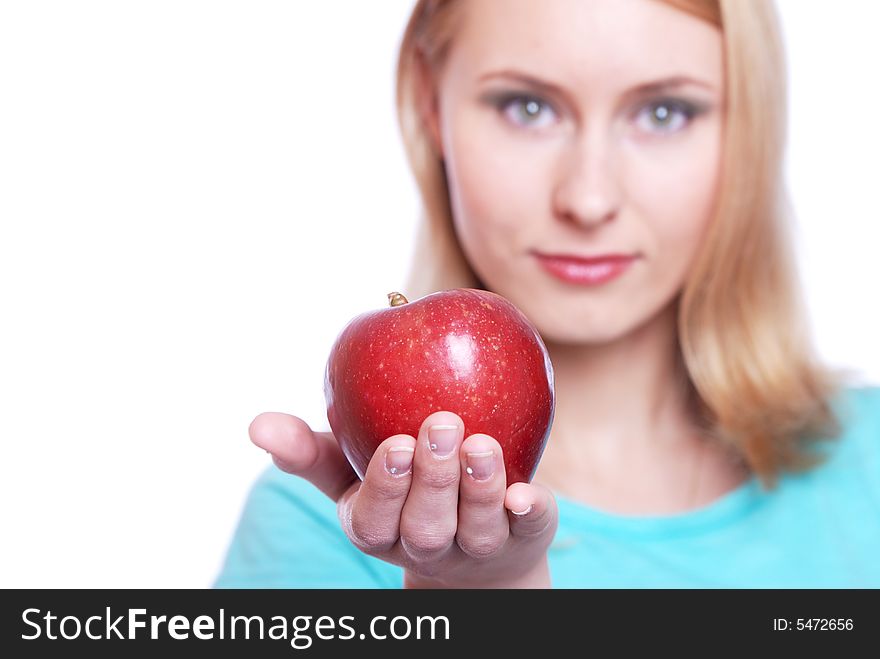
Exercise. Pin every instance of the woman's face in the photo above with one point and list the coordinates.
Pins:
(582, 128)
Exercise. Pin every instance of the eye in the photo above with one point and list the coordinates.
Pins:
(525, 111)
(665, 116)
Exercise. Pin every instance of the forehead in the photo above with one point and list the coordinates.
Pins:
(586, 43)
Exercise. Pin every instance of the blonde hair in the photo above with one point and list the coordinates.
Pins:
(754, 380)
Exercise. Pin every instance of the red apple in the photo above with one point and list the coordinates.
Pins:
(467, 351)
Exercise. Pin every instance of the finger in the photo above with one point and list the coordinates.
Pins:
(370, 514)
(430, 514)
(482, 519)
(531, 510)
(298, 450)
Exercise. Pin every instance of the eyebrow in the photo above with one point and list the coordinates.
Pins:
(653, 87)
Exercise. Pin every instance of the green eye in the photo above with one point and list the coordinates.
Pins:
(666, 116)
(525, 111)
(661, 114)
(531, 109)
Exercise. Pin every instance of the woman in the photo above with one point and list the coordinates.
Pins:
(697, 440)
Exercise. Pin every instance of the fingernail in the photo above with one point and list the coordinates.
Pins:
(398, 460)
(481, 465)
(522, 513)
(442, 439)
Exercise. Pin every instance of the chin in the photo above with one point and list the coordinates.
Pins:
(561, 318)
(581, 337)
(563, 325)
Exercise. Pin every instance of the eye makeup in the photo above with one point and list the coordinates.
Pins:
(527, 106)
(661, 114)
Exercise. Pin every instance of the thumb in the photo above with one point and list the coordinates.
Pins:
(532, 510)
(298, 450)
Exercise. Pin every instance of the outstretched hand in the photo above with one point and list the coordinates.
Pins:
(437, 505)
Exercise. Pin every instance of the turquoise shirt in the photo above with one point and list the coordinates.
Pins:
(817, 529)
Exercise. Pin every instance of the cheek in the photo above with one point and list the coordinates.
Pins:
(493, 185)
(675, 192)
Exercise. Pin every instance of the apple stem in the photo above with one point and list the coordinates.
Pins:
(396, 299)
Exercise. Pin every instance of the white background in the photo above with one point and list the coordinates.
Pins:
(195, 196)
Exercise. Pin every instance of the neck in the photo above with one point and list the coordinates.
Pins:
(622, 417)
(625, 394)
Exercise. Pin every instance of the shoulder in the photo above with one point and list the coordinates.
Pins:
(858, 411)
(864, 399)
(288, 536)
(850, 461)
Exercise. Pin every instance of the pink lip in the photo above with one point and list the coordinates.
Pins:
(589, 271)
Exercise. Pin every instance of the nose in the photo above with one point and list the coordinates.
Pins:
(587, 191)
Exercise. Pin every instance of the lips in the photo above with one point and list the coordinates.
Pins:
(585, 270)
(600, 258)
